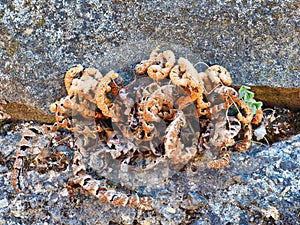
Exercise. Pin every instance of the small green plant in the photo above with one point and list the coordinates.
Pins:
(248, 97)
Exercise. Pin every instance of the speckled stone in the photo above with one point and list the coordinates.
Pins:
(259, 187)
(4, 203)
(258, 41)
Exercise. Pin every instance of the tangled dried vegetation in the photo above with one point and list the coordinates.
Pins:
(174, 115)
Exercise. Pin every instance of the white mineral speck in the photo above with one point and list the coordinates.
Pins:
(64, 193)
(3, 203)
(28, 31)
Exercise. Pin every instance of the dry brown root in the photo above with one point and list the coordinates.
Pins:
(102, 101)
(225, 131)
(248, 112)
(62, 108)
(185, 75)
(81, 91)
(145, 64)
(24, 145)
(174, 149)
(17, 168)
(85, 87)
(70, 75)
(220, 163)
(66, 106)
(96, 74)
(65, 123)
(164, 62)
(110, 196)
(246, 143)
(172, 140)
(206, 130)
(218, 75)
(228, 94)
(148, 109)
(157, 103)
(230, 97)
(258, 116)
(92, 108)
(154, 105)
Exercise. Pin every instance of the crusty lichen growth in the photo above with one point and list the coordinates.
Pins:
(145, 123)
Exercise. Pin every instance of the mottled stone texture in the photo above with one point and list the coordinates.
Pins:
(261, 186)
(258, 41)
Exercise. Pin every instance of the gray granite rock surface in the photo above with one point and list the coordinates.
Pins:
(261, 186)
(257, 41)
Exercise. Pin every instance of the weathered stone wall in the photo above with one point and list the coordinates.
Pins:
(257, 41)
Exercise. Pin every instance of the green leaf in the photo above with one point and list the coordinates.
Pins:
(249, 102)
(255, 106)
(244, 88)
(242, 91)
(258, 104)
(248, 97)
